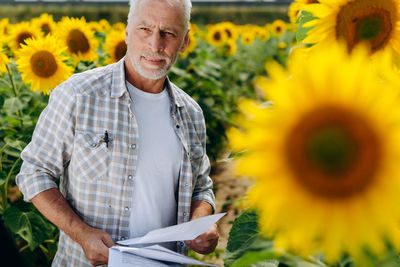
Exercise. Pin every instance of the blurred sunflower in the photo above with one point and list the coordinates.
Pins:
(4, 60)
(216, 35)
(119, 26)
(262, 33)
(115, 46)
(278, 27)
(44, 23)
(94, 26)
(229, 48)
(248, 37)
(330, 142)
(104, 25)
(4, 26)
(376, 23)
(294, 11)
(19, 33)
(41, 64)
(192, 44)
(307, 2)
(230, 29)
(79, 39)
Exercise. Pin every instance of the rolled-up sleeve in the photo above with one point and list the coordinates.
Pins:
(49, 151)
(204, 185)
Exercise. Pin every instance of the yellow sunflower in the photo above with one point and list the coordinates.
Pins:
(307, 2)
(79, 39)
(4, 60)
(104, 25)
(229, 48)
(119, 26)
(325, 156)
(4, 26)
(230, 29)
(278, 27)
(216, 35)
(248, 37)
(294, 11)
(192, 43)
(354, 21)
(115, 46)
(263, 34)
(41, 64)
(19, 33)
(44, 23)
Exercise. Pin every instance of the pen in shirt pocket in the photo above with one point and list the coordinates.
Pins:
(106, 138)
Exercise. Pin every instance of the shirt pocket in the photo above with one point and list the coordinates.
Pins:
(91, 156)
(196, 157)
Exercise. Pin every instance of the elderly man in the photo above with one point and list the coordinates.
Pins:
(128, 145)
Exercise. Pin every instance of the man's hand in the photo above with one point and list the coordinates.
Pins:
(205, 243)
(95, 244)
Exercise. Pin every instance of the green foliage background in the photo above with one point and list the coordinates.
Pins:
(258, 15)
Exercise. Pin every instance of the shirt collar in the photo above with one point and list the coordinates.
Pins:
(118, 87)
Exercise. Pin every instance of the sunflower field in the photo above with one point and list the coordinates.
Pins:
(308, 110)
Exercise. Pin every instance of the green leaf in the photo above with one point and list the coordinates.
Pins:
(243, 234)
(3, 176)
(304, 17)
(12, 105)
(19, 145)
(30, 226)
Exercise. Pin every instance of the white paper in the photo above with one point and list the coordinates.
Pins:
(185, 231)
(117, 258)
(155, 255)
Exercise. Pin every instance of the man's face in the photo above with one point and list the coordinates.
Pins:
(154, 38)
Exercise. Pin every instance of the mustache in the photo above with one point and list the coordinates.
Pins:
(156, 56)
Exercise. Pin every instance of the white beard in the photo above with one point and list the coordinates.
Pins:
(152, 74)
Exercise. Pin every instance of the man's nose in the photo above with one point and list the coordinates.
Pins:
(156, 42)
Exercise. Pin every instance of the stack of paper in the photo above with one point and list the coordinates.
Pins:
(138, 252)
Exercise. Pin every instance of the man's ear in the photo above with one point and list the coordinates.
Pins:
(126, 35)
(185, 42)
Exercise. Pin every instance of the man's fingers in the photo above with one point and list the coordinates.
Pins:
(108, 241)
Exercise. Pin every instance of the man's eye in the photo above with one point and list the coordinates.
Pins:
(168, 33)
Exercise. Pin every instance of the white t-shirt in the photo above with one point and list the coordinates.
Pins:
(159, 161)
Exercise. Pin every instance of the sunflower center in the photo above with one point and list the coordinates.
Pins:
(278, 29)
(217, 36)
(331, 149)
(45, 28)
(228, 32)
(77, 42)
(333, 152)
(22, 37)
(43, 64)
(120, 50)
(359, 21)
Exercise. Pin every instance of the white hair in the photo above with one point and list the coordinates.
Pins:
(187, 7)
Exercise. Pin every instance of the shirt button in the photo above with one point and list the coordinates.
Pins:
(184, 213)
(94, 144)
(186, 184)
(133, 146)
(126, 208)
(177, 126)
(122, 238)
(130, 177)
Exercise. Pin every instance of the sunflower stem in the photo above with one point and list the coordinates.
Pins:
(14, 88)
(12, 80)
(4, 201)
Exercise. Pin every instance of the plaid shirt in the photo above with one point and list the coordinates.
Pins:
(97, 178)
